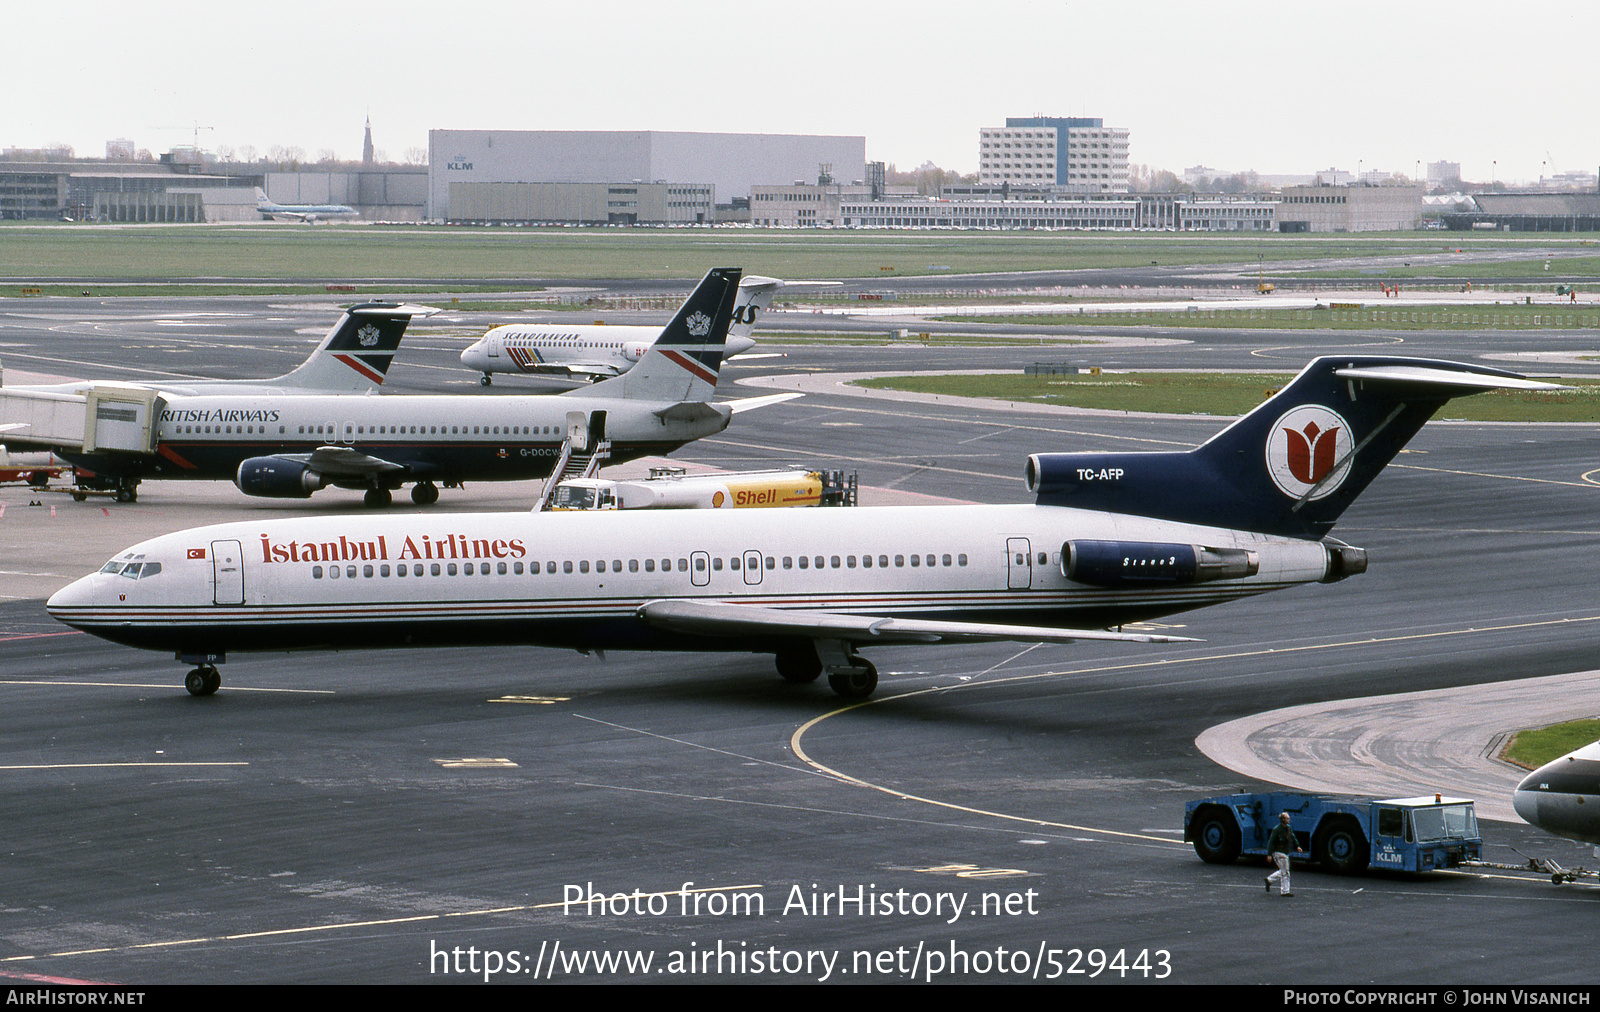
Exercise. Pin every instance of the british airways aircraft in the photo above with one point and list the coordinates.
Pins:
(598, 352)
(1563, 796)
(289, 444)
(1111, 538)
(308, 213)
(352, 358)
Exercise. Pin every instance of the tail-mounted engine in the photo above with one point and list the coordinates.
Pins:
(1343, 560)
(1116, 564)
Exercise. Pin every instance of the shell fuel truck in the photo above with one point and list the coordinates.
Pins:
(673, 488)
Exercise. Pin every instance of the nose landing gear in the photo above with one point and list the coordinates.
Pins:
(203, 681)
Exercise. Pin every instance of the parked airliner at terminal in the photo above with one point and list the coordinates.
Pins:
(1111, 538)
(288, 443)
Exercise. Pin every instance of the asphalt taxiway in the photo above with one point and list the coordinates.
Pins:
(424, 817)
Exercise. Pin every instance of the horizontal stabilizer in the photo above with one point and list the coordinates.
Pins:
(407, 309)
(711, 618)
(750, 403)
(688, 411)
(1462, 380)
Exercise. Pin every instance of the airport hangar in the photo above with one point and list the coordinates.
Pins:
(619, 176)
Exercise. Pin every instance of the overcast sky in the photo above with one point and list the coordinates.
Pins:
(1279, 87)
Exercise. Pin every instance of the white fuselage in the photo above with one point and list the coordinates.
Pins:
(309, 213)
(578, 579)
(1563, 796)
(569, 352)
(484, 438)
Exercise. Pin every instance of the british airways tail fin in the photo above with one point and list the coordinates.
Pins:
(1289, 467)
(355, 356)
(686, 359)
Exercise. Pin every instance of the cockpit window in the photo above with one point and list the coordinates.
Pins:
(115, 565)
(137, 569)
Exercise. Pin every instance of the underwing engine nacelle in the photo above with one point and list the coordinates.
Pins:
(1116, 564)
(276, 478)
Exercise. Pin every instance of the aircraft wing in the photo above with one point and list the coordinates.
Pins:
(342, 462)
(722, 618)
(580, 370)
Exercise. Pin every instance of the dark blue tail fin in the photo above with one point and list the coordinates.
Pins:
(1289, 467)
(685, 361)
(354, 357)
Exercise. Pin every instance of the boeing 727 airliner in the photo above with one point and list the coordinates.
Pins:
(1111, 538)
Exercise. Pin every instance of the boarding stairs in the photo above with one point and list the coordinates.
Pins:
(573, 463)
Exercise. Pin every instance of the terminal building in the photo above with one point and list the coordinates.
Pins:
(978, 206)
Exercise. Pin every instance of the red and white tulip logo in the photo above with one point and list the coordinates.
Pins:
(1309, 446)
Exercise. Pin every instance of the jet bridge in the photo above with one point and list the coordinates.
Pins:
(96, 417)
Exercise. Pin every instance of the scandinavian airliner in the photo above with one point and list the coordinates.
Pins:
(597, 352)
(1111, 538)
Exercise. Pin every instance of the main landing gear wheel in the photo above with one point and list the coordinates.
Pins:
(377, 498)
(424, 493)
(857, 684)
(203, 681)
(799, 666)
(127, 493)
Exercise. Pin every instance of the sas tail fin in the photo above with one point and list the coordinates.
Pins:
(1289, 467)
(355, 356)
(686, 359)
(755, 295)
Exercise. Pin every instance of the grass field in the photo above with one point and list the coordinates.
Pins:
(1532, 749)
(1485, 316)
(1226, 394)
(355, 253)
